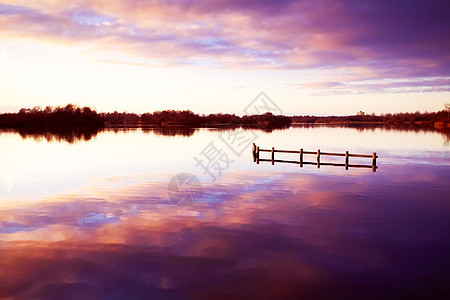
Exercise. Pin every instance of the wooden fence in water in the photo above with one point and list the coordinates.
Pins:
(256, 158)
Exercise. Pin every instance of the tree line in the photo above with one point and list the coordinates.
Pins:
(85, 116)
(74, 115)
(418, 118)
(68, 115)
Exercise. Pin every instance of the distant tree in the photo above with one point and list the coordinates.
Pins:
(68, 115)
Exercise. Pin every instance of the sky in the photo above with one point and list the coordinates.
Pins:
(322, 57)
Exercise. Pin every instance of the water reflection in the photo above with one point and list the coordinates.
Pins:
(444, 131)
(253, 235)
(93, 219)
(266, 127)
(171, 130)
(70, 134)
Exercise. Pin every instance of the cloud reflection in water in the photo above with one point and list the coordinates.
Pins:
(308, 235)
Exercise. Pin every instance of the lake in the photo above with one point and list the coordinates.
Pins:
(186, 213)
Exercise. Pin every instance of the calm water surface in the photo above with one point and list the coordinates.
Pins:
(86, 215)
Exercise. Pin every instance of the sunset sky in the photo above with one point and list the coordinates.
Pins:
(311, 57)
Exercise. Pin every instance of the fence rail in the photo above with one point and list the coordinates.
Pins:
(256, 158)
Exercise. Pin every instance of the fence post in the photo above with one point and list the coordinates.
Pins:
(273, 155)
(257, 155)
(346, 160)
(301, 157)
(254, 152)
(318, 158)
(374, 162)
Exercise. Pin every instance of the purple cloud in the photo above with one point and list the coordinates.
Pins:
(8, 10)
